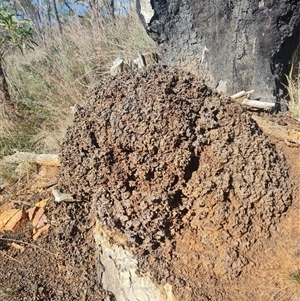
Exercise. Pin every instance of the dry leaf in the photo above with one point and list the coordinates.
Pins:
(42, 203)
(22, 221)
(37, 216)
(5, 207)
(30, 213)
(42, 221)
(18, 247)
(41, 231)
(6, 216)
(12, 219)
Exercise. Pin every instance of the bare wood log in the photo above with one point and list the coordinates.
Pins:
(283, 133)
(257, 104)
(41, 159)
(241, 94)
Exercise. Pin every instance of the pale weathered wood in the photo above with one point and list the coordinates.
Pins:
(41, 159)
(257, 104)
(241, 94)
(143, 60)
(118, 66)
(283, 133)
(62, 197)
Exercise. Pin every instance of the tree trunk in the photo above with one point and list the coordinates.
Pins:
(110, 5)
(235, 45)
(5, 99)
(57, 15)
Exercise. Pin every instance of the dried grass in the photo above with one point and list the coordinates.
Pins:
(293, 88)
(58, 74)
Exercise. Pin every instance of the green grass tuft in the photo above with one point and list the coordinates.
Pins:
(295, 276)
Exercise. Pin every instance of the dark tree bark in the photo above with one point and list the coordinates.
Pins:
(110, 5)
(57, 15)
(236, 45)
(6, 105)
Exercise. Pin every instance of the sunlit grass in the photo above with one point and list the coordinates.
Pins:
(57, 74)
(293, 88)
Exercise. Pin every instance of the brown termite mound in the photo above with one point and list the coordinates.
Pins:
(182, 172)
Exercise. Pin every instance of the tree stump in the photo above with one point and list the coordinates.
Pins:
(235, 45)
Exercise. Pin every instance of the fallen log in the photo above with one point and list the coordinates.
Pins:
(241, 94)
(279, 132)
(40, 159)
(258, 104)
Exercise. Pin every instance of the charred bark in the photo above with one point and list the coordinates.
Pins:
(235, 45)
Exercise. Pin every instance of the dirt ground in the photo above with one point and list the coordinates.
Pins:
(260, 259)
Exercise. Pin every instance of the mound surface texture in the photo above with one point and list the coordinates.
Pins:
(184, 173)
